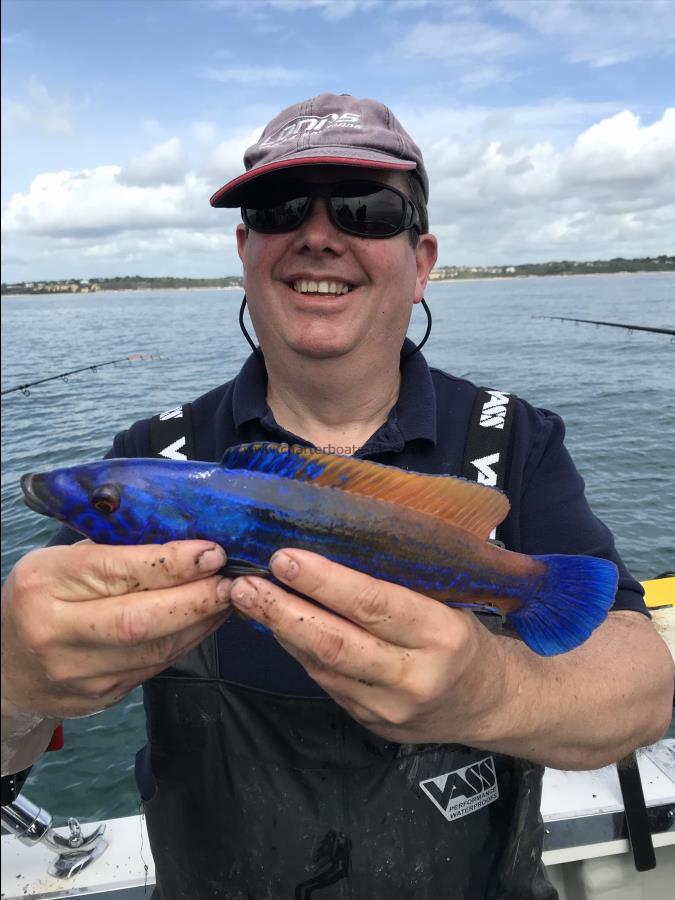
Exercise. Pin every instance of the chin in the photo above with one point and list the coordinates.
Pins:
(323, 349)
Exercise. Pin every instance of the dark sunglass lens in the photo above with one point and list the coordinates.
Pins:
(368, 210)
(283, 216)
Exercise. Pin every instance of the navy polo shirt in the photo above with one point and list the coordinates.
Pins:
(425, 432)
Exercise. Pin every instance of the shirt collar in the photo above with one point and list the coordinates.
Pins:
(413, 417)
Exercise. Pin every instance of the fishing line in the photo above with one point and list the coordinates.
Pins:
(24, 388)
(669, 331)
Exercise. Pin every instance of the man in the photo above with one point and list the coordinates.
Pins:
(292, 763)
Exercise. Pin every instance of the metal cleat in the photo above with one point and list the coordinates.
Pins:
(33, 825)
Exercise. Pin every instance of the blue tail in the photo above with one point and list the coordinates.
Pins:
(574, 598)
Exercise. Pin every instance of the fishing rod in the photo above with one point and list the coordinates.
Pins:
(612, 324)
(24, 388)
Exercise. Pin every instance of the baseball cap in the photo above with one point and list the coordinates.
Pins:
(331, 129)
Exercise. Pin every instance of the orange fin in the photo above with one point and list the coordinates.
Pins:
(473, 507)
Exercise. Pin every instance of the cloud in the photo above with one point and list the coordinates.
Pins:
(38, 113)
(611, 190)
(458, 41)
(600, 32)
(225, 160)
(166, 163)
(330, 10)
(95, 202)
(255, 76)
(167, 251)
(621, 151)
(503, 190)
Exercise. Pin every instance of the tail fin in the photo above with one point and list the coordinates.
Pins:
(574, 598)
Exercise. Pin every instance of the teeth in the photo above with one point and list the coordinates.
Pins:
(320, 287)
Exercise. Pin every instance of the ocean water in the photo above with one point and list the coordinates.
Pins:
(614, 388)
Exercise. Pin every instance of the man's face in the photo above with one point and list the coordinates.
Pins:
(384, 278)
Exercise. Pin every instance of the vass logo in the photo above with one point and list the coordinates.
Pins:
(493, 413)
(174, 450)
(463, 791)
(304, 124)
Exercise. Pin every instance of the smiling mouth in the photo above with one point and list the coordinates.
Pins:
(331, 288)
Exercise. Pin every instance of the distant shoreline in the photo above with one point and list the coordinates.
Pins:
(237, 288)
(552, 275)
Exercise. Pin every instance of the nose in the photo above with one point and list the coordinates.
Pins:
(317, 233)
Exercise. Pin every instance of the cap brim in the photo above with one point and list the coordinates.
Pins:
(231, 194)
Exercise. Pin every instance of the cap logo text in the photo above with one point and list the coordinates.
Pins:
(304, 124)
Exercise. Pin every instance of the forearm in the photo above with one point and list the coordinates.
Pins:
(580, 710)
(24, 739)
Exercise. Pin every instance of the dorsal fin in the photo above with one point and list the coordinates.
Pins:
(473, 507)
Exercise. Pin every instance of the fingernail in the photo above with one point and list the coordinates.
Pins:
(284, 566)
(243, 593)
(211, 559)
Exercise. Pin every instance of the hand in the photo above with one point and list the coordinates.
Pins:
(406, 667)
(85, 624)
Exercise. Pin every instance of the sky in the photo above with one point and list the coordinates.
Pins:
(547, 126)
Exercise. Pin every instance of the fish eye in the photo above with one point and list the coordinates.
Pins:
(106, 498)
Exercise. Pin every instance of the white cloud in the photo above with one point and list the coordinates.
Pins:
(95, 202)
(39, 112)
(610, 191)
(166, 163)
(619, 150)
(601, 32)
(225, 160)
(502, 190)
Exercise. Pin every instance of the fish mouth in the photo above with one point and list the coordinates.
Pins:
(36, 496)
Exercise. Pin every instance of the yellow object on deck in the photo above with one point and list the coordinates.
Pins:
(660, 592)
(660, 598)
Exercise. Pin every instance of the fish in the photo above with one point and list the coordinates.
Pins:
(428, 533)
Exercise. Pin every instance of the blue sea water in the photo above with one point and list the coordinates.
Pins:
(614, 388)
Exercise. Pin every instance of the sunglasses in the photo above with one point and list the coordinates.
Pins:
(364, 208)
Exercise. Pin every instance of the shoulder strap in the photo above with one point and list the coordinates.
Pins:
(171, 433)
(488, 444)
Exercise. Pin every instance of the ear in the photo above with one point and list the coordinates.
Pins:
(242, 239)
(426, 254)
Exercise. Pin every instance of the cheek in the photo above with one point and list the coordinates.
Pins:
(395, 264)
(263, 252)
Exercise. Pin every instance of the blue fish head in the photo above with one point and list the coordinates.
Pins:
(112, 501)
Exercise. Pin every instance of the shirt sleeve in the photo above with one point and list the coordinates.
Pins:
(550, 512)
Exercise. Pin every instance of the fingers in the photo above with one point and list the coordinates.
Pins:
(107, 684)
(136, 611)
(85, 570)
(137, 619)
(317, 637)
(390, 612)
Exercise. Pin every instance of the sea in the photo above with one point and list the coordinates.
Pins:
(615, 389)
